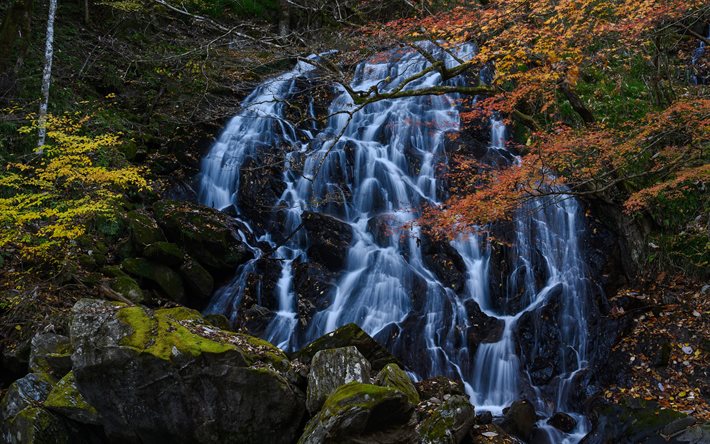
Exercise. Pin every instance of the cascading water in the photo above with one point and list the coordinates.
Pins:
(380, 163)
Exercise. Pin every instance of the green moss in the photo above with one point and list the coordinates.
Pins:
(393, 376)
(356, 394)
(65, 396)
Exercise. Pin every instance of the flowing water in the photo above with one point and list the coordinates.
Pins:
(381, 162)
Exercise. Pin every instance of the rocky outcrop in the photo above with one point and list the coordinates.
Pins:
(329, 239)
(165, 375)
(332, 368)
(448, 422)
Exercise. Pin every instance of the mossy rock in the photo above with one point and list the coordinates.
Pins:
(356, 411)
(204, 233)
(35, 425)
(393, 376)
(127, 287)
(349, 335)
(631, 420)
(167, 279)
(66, 400)
(50, 354)
(144, 229)
(165, 253)
(175, 378)
(198, 281)
(448, 423)
(331, 369)
(218, 320)
(29, 390)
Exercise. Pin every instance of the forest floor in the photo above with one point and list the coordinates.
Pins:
(667, 346)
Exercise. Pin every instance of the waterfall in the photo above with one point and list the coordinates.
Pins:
(381, 164)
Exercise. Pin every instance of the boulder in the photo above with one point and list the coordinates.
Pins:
(35, 425)
(443, 259)
(164, 277)
(438, 387)
(168, 376)
(209, 236)
(520, 419)
(359, 413)
(313, 284)
(25, 392)
(562, 421)
(329, 239)
(165, 253)
(448, 423)
(50, 353)
(332, 368)
(199, 283)
(14, 361)
(349, 335)
(66, 400)
(143, 228)
(393, 376)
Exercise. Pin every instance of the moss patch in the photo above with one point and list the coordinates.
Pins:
(393, 376)
(65, 397)
(356, 394)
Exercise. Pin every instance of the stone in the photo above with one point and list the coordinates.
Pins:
(66, 400)
(25, 392)
(520, 419)
(175, 378)
(332, 368)
(165, 253)
(209, 236)
(562, 421)
(329, 239)
(485, 417)
(199, 283)
(439, 387)
(127, 287)
(449, 423)
(50, 353)
(347, 335)
(14, 361)
(144, 230)
(35, 425)
(164, 277)
(393, 376)
(362, 413)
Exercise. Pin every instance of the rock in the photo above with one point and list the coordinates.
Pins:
(449, 423)
(144, 230)
(492, 434)
(362, 413)
(677, 426)
(165, 253)
(127, 287)
(382, 227)
(562, 421)
(393, 376)
(329, 239)
(345, 336)
(174, 378)
(25, 392)
(66, 400)
(484, 418)
(218, 320)
(168, 280)
(256, 318)
(520, 419)
(209, 236)
(439, 387)
(50, 353)
(198, 282)
(14, 362)
(314, 283)
(699, 434)
(332, 368)
(260, 187)
(35, 425)
(443, 259)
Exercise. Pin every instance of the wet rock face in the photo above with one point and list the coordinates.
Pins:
(332, 368)
(260, 187)
(562, 421)
(520, 419)
(449, 421)
(329, 239)
(173, 378)
(443, 259)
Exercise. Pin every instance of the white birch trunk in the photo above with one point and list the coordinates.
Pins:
(46, 75)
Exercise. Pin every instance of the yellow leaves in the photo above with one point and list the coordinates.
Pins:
(52, 199)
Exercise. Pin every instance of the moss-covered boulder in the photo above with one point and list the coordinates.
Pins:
(35, 425)
(168, 376)
(66, 400)
(332, 368)
(359, 413)
(448, 423)
(50, 353)
(164, 277)
(143, 228)
(393, 376)
(345, 336)
(199, 283)
(209, 236)
(27, 391)
(165, 253)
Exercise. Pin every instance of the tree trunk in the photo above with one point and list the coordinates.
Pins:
(285, 18)
(15, 26)
(577, 103)
(46, 75)
(86, 12)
